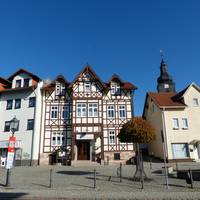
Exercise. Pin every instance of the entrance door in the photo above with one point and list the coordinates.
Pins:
(83, 148)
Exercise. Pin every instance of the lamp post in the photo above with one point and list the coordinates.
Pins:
(11, 149)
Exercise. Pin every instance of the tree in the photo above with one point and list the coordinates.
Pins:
(137, 131)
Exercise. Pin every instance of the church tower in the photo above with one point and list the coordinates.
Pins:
(165, 81)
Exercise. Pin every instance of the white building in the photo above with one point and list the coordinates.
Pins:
(176, 119)
(84, 118)
(20, 96)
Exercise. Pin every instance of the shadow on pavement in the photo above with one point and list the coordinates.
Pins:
(74, 173)
(42, 185)
(10, 195)
(85, 186)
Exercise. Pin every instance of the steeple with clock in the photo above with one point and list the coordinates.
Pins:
(165, 81)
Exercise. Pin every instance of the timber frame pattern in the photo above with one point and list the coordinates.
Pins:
(86, 123)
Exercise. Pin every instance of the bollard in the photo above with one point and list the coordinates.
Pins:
(107, 160)
(150, 163)
(94, 178)
(120, 175)
(176, 166)
(191, 178)
(50, 179)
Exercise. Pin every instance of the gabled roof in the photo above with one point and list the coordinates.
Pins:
(163, 100)
(36, 78)
(61, 79)
(88, 68)
(179, 95)
(123, 84)
(51, 85)
(5, 81)
(18, 89)
(116, 78)
(166, 99)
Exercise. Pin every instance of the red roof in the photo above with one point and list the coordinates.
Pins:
(166, 99)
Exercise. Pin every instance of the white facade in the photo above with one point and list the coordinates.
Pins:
(22, 98)
(180, 125)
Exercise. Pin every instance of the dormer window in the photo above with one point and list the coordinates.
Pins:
(18, 83)
(115, 88)
(26, 82)
(87, 86)
(60, 89)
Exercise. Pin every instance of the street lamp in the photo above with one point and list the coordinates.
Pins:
(14, 125)
(11, 149)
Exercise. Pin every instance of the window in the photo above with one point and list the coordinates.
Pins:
(122, 112)
(87, 86)
(180, 150)
(26, 82)
(112, 137)
(60, 88)
(32, 101)
(65, 112)
(58, 139)
(92, 109)
(17, 103)
(9, 104)
(195, 102)
(116, 156)
(54, 112)
(115, 88)
(30, 124)
(7, 126)
(18, 83)
(166, 86)
(175, 123)
(57, 88)
(185, 123)
(111, 112)
(81, 110)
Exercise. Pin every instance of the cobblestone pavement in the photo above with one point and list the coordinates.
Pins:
(78, 183)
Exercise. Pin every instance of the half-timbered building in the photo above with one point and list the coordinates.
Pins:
(81, 119)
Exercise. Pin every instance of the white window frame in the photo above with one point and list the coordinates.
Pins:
(87, 86)
(112, 137)
(54, 112)
(122, 110)
(65, 109)
(57, 88)
(92, 109)
(115, 88)
(195, 102)
(185, 123)
(81, 110)
(62, 89)
(179, 152)
(111, 111)
(175, 123)
(58, 139)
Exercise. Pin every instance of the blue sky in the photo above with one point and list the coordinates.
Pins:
(51, 37)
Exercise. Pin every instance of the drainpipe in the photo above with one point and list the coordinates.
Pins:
(165, 152)
(33, 132)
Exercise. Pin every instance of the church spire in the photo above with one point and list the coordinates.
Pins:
(165, 81)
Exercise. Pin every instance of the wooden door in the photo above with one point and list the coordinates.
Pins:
(83, 148)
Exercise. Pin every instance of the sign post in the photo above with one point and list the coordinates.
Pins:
(10, 158)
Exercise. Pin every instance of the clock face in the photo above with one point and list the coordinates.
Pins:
(166, 85)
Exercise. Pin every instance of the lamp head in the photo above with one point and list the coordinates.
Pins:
(14, 124)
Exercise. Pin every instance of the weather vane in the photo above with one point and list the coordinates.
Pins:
(161, 54)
